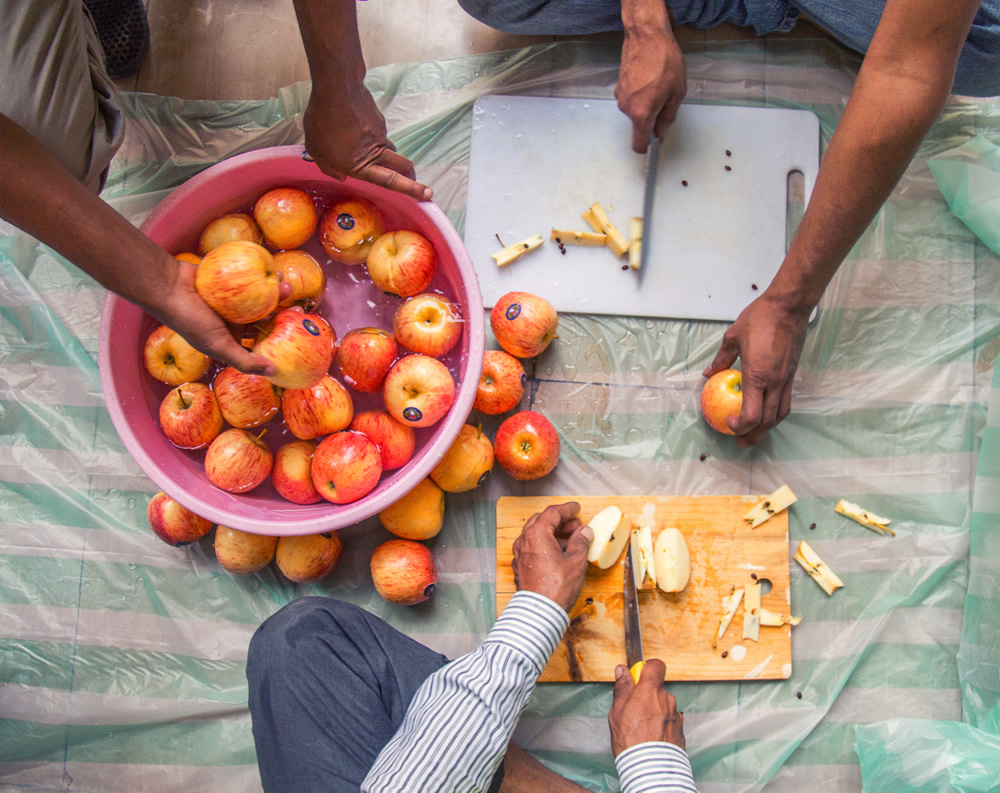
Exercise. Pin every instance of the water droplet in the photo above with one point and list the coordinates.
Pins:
(139, 585)
(569, 371)
(123, 598)
(114, 495)
(650, 324)
(633, 436)
(130, 503)
(131, 565)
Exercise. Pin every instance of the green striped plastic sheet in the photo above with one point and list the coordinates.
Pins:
(122, 659)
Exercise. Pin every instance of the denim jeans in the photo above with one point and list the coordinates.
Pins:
(329, 685)
(852, 22)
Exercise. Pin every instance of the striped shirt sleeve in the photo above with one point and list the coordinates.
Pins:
(655, 767)
(456, 729)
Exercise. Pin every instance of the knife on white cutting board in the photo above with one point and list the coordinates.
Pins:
(652, 167)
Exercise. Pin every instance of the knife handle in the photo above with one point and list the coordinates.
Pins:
(636, 670)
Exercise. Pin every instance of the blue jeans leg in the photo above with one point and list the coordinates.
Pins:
(329, 685)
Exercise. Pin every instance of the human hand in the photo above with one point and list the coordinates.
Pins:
(346, 136)
(550, 556)
(644, 711)
(767, 337)
(182, 310)
(652, 82)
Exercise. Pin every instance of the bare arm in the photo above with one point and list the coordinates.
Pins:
(903, 83)
(345, 132)
(44, 199)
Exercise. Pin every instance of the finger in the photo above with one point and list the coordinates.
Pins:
(667, 116)
(623, 683)
(654, 671)
(238, 356)
(554, 516)
(284, 288)
(724, 359)
(578, 544)
(752, 410)
(386, 177)
(642, 131)
(330, 170)
(397, 162)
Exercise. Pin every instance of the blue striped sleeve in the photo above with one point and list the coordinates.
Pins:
(456, 729)
(655, 767)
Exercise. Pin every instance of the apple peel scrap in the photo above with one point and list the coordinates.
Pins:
(729, 605)
(588, 239)
(599, 222)
(635, 229)
(780, 499)
(817, 568)
(864, 517)
(511, 252)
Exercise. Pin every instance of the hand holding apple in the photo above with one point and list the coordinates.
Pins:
(305, 278)
(239, 281)
(300, 346)
(722, 398)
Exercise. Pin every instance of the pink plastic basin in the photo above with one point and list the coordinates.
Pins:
(351, 301)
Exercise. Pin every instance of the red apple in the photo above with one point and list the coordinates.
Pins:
(321, 409)
(428, 323)
(418, 391)
(241, 552)
(527, 445)
(292, 473)
(346, 467)
(190, 416)
(395, 441)
(403, 572)
(235, 226)
(402, 263)
(246, 400)
(348, 228)
(364, 356)
(170, 359)
(300, 346)
(287, 217)
(309, 558)
(303, 275)
(524, 324)
(174, 523)
(239, 281)
(237, 461)
(722, 398)
(419, 515)
(501, 384)
(467, 462)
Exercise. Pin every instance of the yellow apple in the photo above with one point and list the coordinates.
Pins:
(419, 515)
(241, 552)
(308, 558)
(722, 398)
(234, 226)
(467, 463)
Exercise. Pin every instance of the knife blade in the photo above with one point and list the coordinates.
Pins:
(633, 631)
(652, 168)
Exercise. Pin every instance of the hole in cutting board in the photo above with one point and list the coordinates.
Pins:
(795, 204)
(765, 586)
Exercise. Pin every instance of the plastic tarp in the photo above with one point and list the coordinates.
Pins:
(122, 659)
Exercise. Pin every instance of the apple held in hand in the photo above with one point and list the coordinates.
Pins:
(722, 398)
(527, 445)
(237, 461)
(246, 400)
(287, 217)
(395, 442)
(364, 356)
(428, 323)
(300, 346)
(190, 416)
(501, 384)
(241, 552)
(239, 281)
(170, 359)
(524, 324)
(346, 466)
(321, 409)
(419, 515)
(174, 523)
(292, 473)
(404, 572)
(467, 463)
(418, 391)
(402, 263)
(348, 228)
(305, 277)
(234, 226)
(309, 558)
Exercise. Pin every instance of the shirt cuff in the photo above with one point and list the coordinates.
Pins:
(531, 624)
(655, 766)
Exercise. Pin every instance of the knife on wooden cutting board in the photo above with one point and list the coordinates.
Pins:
(633, 631)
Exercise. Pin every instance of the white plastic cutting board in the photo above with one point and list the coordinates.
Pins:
(540, 162)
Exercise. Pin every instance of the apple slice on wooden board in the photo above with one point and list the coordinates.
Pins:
(612, 529)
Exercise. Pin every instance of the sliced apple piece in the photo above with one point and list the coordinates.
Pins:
(751, 612)
(612, 530)
(780, 499)
(635, 246)
(588, 239)
(864, 517)
(729, 606)
(817, 568)
(599, 222)
(642, 555)
(771, 619)
(671, 561)
(518, 249)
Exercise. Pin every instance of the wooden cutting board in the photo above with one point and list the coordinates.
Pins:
(677, 628)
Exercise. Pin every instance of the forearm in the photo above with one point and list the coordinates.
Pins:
(42, 198)
(646, 16)
(459, 723)
(329, 30)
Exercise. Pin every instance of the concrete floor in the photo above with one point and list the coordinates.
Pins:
(247, 49)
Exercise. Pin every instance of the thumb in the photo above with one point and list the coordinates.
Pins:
(234, 354)
(728, 352)
(623, 683)
(579, 541)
